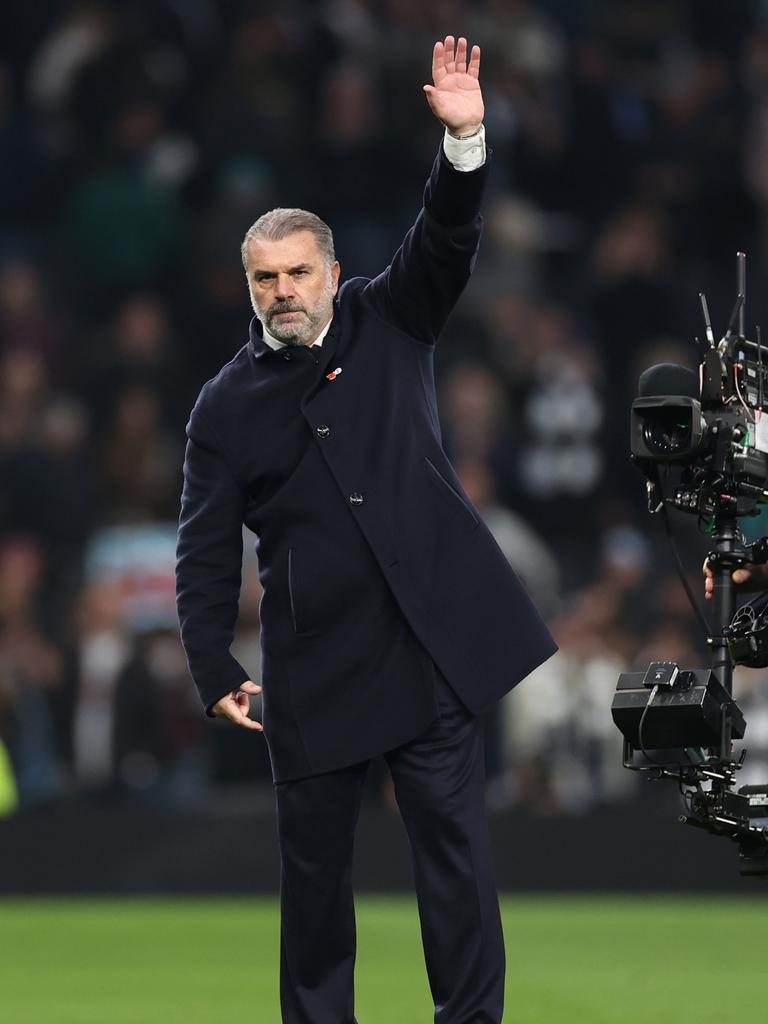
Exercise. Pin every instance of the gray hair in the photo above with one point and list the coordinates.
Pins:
(284, 221)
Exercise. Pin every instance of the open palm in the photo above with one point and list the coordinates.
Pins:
(455, 97)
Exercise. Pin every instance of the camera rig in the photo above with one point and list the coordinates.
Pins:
(702, 445)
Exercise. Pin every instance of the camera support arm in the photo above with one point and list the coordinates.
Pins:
(728, 555)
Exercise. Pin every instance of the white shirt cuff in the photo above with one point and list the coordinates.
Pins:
(465, 154)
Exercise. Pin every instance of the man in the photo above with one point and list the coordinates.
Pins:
(322, 436)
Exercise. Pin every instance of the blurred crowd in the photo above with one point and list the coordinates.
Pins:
(139, 141)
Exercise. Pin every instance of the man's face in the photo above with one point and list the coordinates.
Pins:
(292, 286)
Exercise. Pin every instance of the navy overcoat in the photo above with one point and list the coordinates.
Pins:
(374, 563)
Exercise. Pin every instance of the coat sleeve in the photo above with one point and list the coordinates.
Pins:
(209, 557)
(429, 271)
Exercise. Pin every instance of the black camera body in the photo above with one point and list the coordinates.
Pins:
(714, 444)
(688, 712)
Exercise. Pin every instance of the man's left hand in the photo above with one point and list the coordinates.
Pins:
(455, 98)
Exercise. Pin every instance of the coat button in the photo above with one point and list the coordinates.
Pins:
(356, 498)
(323, 430)
(287, 356)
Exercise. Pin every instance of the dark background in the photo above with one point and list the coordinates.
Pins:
(137, 144)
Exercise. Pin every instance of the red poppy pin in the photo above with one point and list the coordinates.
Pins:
(334, 373)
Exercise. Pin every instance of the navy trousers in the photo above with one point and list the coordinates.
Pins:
(439, 780)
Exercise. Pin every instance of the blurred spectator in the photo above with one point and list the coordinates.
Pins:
(120, 229)
(25, 177)
(634, 295)
(528, 555)
(474, 412)
(104, 649)
(216, 309)
(30, 668)
(525, 551)
(28, 322)
(352, 150)
(139, 351)
(750, 688)
(83, 32)
(9, 797)
(160, 749)
(132, 722)
(139, 460)
(562, 752)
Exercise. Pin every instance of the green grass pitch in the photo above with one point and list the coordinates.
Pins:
(570, 960)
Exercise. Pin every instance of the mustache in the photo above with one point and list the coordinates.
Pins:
(285, 307)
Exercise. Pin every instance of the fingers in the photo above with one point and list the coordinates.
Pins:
(238, 716)
(751, 577)
(449, 57)
(708, 580)
(443, 62)
(438, 63)
(241, 696)
(241, 718)
(474, 62)
(461, 56)
(236, 705)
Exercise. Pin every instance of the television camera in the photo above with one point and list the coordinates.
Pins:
(701, 442)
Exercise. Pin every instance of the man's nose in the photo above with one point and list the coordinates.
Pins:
(284, 286)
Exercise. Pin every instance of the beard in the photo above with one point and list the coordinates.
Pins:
(304, 325)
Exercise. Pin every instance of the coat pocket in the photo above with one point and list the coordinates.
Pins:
(292, 595)
(458, 501)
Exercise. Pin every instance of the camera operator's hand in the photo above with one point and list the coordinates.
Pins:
(748, 579)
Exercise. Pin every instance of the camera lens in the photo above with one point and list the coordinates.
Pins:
(667, 431)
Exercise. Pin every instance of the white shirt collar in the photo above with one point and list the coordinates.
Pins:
(275, 344)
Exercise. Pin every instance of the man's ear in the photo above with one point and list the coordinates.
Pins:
(335, 274)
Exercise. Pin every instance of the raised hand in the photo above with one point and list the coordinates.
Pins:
(456, 98)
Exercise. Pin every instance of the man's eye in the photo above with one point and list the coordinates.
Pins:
(299, 273)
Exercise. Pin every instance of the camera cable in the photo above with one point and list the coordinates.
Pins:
(646, 709)
(679, 563)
